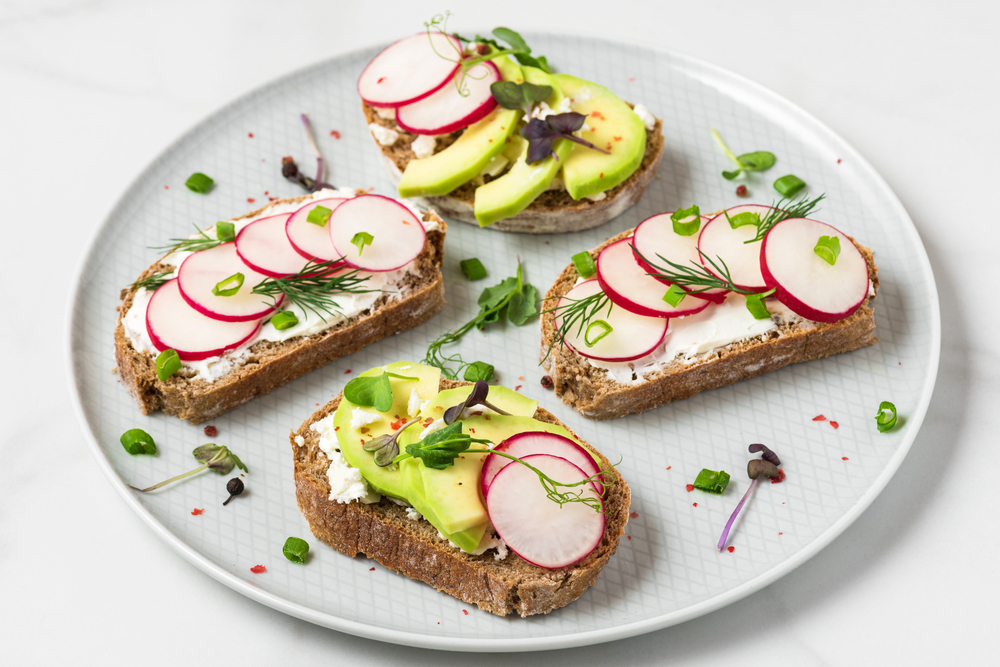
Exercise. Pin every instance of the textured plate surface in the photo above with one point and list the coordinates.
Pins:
(668, 571)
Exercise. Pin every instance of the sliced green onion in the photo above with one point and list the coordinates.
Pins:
(225, 231)
(789, 185)
(295, 549)
(479, 370)
(755, 304)
(198, 182)
(228, 286)
(686, 221)
(712, 481)
(136, 441)
(286, 319)
(473, 269)
(319, 216)
(828, 249)
(674, 295)
(744, 218)
(361, 239)
(168, 362)
(584, 264)
(603, 331)
(886, 417)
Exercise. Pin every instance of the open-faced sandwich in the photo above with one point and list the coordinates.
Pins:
(245, 306)
(685, 303)
(485, 138)
(470, 488)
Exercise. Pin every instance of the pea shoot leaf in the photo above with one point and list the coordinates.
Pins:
(522, 306)
(374, 391)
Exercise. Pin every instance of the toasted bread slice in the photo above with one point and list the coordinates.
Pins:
(271, 364)
(592, 392)
(553, 212)
(413, 547)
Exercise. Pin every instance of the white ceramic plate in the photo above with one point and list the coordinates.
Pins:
(668, 571)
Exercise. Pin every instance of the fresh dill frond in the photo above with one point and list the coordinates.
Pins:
(579, 313)
(200, 242)
(313, 288)
(782, 211)
(151, 283)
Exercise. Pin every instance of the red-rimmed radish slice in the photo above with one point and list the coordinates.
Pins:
(309, 239)
(173, 324)
(205, 269)
(806, 283)
(534, 527)
(628, 285)
(265, 248)
(447, 110)
(409, 70)
(536, 442)
(655, 237)
(632, 336)
(398, 236)
(719, 240)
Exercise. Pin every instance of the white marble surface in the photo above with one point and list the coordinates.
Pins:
(94, 90)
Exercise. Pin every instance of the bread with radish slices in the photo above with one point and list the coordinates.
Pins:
(230, 344)
(387, 531)
(638, 352)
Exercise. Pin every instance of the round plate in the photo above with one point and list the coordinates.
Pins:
(668, 569)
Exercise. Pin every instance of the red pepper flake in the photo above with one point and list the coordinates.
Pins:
(486, 417)
(258, 569)
(835, 425)
(669, 467)
(166, 187)
(521, 378)
(317, 404)
(428, 422)
(347, 371)
(272, 199)
(780, 533)
(250, 134)
(631, 78)
(380, 80)
(473, 430)
(780, 478)
(633, 515)
(629, 537)
(336, 428)
(491, 141)
(617, 139)
(602, 174)
(731, 549)
(694, 504)
(266, 192)
(597, 114)
(465, 611)
(196, 511)
(211, 431)
(844, 458)
(517, 386)
(335, 134)
(741, 191)
(819, 418)
(838, 160)
(395, 425)
(250, 200)
(372, 570)
(689, 487)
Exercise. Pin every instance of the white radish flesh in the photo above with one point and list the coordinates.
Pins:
(397, 235)
(173, 324)
(205, 269)
(807, 284)
(536, 528)
(448, 110)
(718, 240)
(309, 239)
(632, 336)
(536, 442)
(410, 69)
(265, 248)
(655, 239)
(629, 286)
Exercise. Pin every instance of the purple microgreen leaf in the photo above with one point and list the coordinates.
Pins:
(476, 397)
(768, 455)
(539, 149)
(758, 467)
(732, 519)
(537, 129)
(566, 123)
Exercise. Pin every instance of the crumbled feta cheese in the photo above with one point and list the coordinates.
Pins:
(584, 128)
(423, 146)
(346, 482)
(299, 440)
(435, 425)
(598, 197)
(413, 405)
(543, 110)
(383, 135)
(495, 166)
(425, 404)
(361, 418)
(647, 118)
(387, 113)
(413, 515)
(582, 95)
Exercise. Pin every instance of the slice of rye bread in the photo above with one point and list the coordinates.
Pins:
(271, 364)
(382, 531)
(593, 393)
(553, 212)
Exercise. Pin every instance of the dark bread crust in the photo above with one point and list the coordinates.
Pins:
(553, 211)
(382, 531)
(272, 364)
(594, 394)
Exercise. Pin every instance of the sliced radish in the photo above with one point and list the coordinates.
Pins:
(309, 239)
(655, 239)
(205, 269)
(397, 235)
(632, 336)
(534, 527)
(719, 240)
(628, 285)
(536, 442)
(448, 110)
(265, 248)
(806, 283)
(173, 324)
(410, 69)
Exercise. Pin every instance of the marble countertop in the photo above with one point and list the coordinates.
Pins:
(94, 91)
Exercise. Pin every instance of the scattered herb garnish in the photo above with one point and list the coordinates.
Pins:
(828, 249)
(766, 466)
(755, 304)
(886, 417)
(784, 210)
(296, 549)
(789, 186)
(201, 241)
(596, 331)
(686, 221)
(584, 264)
(518, 47)
(286, 319)
(480, 391)
(755, 161)
(136, 441)
(521, 96)
(168, 362)
(579, 313)
(674, 295)
(373, 391)
(313, 287)
(360, 240)
(541, 133)
(225, 231)
(743, 219)
(229, 286)
(199, 182)
(291, 172)
(235, 488)
(319, 216)
(473, 269)
(479, 370)
(217, 459)
(151, 283)
(712, 481)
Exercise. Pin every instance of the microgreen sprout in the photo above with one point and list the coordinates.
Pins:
(541, 133)
(216, 458)
(477, 396)
(523, 96)
(766, 466)
(386, 446)
(755, 161)
(290, 170)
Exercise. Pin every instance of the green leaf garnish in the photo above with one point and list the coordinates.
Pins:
(473, 269)
(198, 182)
(479, 370)
(373, 391)
(296, 549)
(828, 249)
(522, 306)
(286, 319)
(584, 264)
(229, 286)
(686, 221)
(596, 331)
(136, 441)
(319, 216)
(225, 232)
(360, 240)
(789, 186)
(213, 457)
(753, 161)
(674, 296)
(755, 304)
(742, 219)
(712, 481)
(886, 417)
(168, 362)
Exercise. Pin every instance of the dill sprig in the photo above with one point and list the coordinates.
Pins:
(200, 242)
(695, 276)
(313, 288)
(151, 283)
(781, 211)
(579, 312)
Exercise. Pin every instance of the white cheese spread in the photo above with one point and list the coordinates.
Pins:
(346, 482)
(383, 135)
(423, 146)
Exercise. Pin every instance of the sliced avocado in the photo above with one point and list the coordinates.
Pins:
(511, 193)
(384, 480)
(412, 480)
(459, 163)
(613, 126)
(506, 399)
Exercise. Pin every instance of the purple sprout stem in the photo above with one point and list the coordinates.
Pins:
(583, 142)
(315, 148)
(732, 519)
